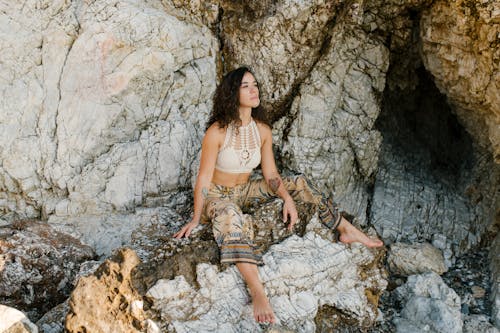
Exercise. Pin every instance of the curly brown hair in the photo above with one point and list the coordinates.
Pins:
(226, 101)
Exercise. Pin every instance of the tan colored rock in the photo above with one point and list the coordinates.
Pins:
(410, 259)
(106, 300)
(460, 47)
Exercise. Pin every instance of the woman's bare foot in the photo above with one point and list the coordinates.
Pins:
(262, 311)
(350, 234)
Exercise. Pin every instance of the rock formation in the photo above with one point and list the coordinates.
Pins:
(37, 266)
(460, 47)
(187, 290)
(411, 259)
(392, 106)
(106, 301)
(429, 305)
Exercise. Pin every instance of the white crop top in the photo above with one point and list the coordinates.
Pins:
(240, 152)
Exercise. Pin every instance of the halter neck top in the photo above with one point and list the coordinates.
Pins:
(240, 152)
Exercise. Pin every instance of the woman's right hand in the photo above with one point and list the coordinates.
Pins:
(186, 229)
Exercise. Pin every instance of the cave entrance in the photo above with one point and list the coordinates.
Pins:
(428, 185)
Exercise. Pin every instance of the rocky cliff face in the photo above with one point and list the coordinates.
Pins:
(391, 105)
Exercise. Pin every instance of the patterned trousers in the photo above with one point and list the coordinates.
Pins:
(232, 228)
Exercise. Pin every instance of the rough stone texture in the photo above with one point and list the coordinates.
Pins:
(299, 275)
(108, 232)
(106, 300)
(433, 182)
(460, 47)
(103, 105)
(495, 281)
(165, 257)
(331, 136)
(410, 259)
(38, 266)
(411, 203)
(53, 320)
(281, 40)
(14, 321)
(103, 114)
(429, 305)
(478, 323)
(98, 116)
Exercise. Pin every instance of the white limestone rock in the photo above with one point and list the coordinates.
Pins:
(14, 321)
(113, 104)
(429, 305)
(332, 138)
(410, 259)
(299, 275)
(107, 232)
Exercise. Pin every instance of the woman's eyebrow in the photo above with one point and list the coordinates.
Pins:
(245, 82)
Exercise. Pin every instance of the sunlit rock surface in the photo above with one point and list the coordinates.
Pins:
(113, 105)
(14, 321)
(300, 275)
(106, 301)
(104, 104)
(410, 259)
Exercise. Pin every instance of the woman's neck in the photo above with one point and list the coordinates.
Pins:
(245, 116)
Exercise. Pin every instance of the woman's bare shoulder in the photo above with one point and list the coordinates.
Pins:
(215, 132)
(264, 130)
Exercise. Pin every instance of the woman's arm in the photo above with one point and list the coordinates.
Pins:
(209, 150)
(273, 178)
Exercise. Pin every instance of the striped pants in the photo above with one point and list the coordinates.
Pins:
(232, 228)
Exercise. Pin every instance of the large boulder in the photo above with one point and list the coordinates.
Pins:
(330, 136)
(186, 288)
(429, 305)
(106, 300)
(113, 105)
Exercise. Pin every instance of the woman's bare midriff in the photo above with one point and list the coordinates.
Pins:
(229, 179)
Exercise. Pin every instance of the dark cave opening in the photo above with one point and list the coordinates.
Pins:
(420, 124)
(428, 163)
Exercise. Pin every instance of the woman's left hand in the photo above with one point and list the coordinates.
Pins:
(290, 210)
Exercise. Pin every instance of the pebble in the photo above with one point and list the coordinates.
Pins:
(478, 292)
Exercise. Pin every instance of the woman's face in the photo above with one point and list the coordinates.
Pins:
(249, 91)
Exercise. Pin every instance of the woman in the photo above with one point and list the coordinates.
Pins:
(237, 140)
